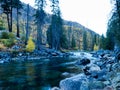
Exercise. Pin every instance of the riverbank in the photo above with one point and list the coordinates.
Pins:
(9, 56)
(100, 71)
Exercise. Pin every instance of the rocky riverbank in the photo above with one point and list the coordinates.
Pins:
(6, 57)
(100, 71)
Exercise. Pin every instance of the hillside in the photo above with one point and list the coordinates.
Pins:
(74, 32)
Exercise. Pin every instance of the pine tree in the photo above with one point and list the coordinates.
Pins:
(27, 25)
(17, 5)
(40, 16)
(73, 43)
(64, 41)
(113, 32)
(55, 29)
(7, 6)
(103, 42)
(110, 40)
(84, 40)
(70, 34)
(7, 9)
(93, 41)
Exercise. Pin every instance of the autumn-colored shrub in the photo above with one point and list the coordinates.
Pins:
(2, 47)
(30, 46)
(96, 47)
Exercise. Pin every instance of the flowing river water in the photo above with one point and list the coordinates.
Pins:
(36, 74)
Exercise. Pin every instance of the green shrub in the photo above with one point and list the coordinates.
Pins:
(2, 28)
(8, 42)
(11, 36)
(4, 35)
(30, 46)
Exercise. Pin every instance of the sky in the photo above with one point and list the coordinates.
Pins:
(93, 14)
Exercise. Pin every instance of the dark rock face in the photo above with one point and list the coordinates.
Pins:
(83, 61)
(86, 70)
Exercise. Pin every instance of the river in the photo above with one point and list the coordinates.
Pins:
(39, 74)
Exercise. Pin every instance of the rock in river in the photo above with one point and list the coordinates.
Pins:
(83, 61)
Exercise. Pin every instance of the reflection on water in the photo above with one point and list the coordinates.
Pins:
(34, 74)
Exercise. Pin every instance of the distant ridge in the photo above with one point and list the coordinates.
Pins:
(48, 19)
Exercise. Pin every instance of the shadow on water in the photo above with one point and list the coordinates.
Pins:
(34, 74)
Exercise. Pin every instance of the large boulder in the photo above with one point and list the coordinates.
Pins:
(77, 82)
(81, 82)
(92, 69)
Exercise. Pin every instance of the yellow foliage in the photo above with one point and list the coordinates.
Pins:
(30, 46)
(2, 47)
(96, 47)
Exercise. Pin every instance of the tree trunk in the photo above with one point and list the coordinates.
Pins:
(8, 20)
(27, 26)
(39, 35)
(93, 41)
(18, 35)
(85, 40)
(11, 17)
(53, 36)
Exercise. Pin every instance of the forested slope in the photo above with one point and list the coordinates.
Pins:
(76, 36)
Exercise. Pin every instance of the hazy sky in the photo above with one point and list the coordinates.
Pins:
(93, 14)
